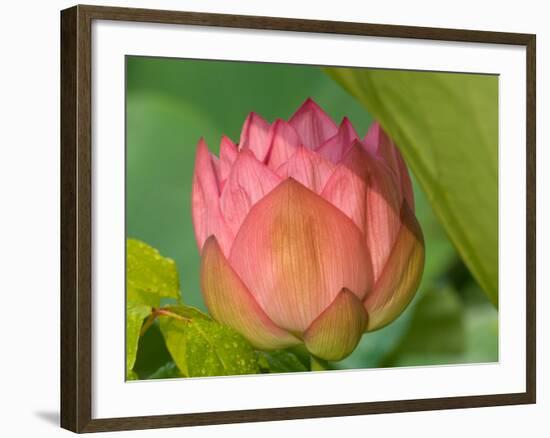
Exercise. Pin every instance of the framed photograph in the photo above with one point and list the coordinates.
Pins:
(268, 218)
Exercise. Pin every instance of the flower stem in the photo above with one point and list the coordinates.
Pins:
(148, 323)
(159, 312)
(164, 312)
(318, 364)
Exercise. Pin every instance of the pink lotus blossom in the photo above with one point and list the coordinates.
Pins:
(307, 232)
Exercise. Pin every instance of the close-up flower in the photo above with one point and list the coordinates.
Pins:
(307, 232)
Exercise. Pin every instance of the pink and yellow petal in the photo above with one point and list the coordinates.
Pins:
(230, 303)
(400, 278)
(335, 333)
(383, 204)
(347, 192)
(306, 251)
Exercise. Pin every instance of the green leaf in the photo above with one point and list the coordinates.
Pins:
(152, 353)
(135, 314)
(280, 361)
(131, 375)
(168, 371)
(446, 126)
(149, 276)
(202, 347)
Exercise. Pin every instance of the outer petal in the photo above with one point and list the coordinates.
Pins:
(358, 161)
(295, 251)
(254, 136)
(347, 192)
(335, 147)
(381, 145)
(229, 302)
(248, 182)
(207, 218)
(312, 124)
(383, 204)
(228, 155)
(283, 141)
(217, 170)
(309, 168)
(401, 276)
(336, 332)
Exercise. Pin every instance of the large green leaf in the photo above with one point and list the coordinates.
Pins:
(446, 126)
(202, 347)
(149, 276)
(446, 330)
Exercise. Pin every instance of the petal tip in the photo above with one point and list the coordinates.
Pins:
(335, 333)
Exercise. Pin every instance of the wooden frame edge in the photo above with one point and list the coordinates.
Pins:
(69, 329)
(531, 217)
(76, 223)
(75, 219)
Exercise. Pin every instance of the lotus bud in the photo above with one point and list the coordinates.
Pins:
(307, 232)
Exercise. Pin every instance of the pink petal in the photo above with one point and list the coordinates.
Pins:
(230, 302)
(295, 252)
(335, 147)
(254, 136)
(377, 142)
(312, 124)
(358, 161)
(382, 218)
(380, 145)
(283, 141)
(248, 182)
(228, 155)
(207, 218)
(337, 330)
(308, 168)
(401, 276)
(382, 206)
(217, 170)
(347, 192)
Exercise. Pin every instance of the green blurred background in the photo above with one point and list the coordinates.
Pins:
(171, 103)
